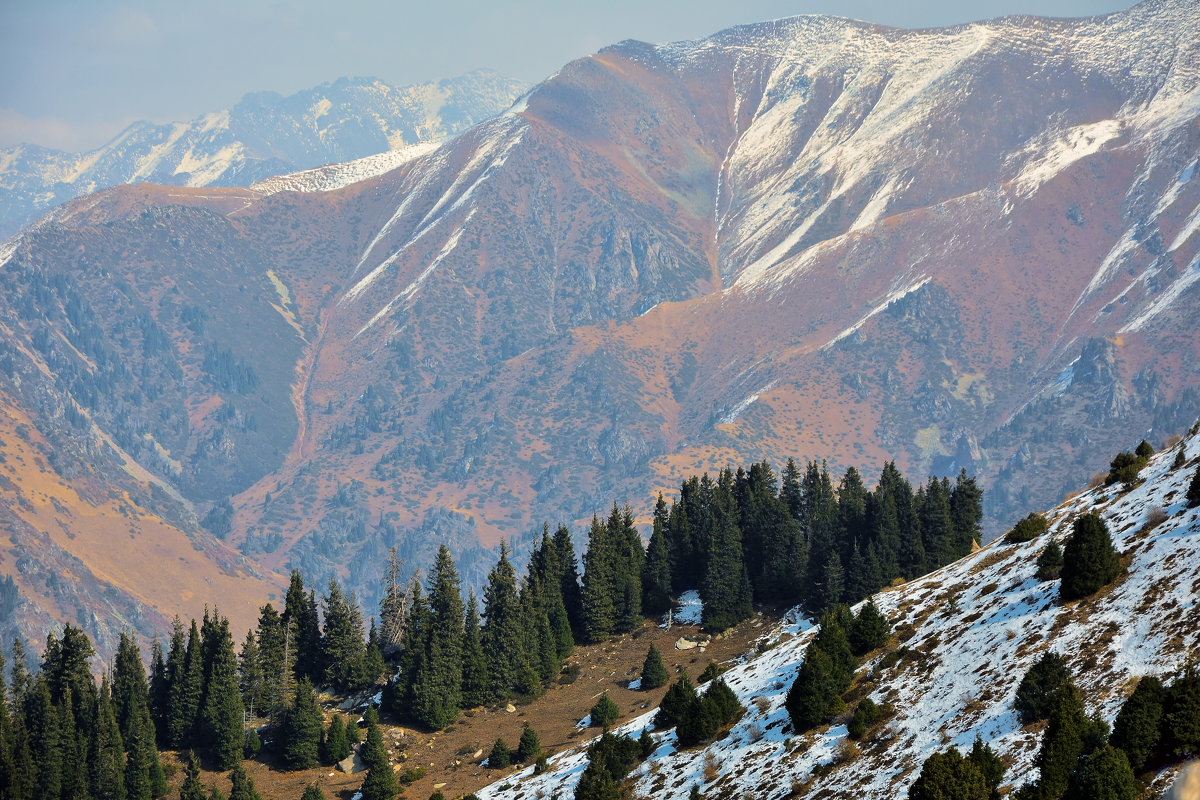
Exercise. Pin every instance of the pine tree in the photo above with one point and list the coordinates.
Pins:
(1089, 561)
(192, 788)
(222, 717)
(1106, 775)
(1137, 727)
(654, 673)
(475, 685)
(502, 635)
(437, 686)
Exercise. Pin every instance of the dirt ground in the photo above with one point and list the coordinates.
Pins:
(449, 756)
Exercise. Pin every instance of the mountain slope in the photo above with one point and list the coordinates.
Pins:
(965, 635)
(662, 260)
(263, 135)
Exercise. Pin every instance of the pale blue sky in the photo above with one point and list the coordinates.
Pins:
(73, 73)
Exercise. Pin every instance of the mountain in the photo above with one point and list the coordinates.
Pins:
(965, 636)
(971, 247)
(265, 134)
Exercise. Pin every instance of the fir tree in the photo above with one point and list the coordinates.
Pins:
(300, 614)
(186, 686)
(990, 765)
(654, 673)
(676, 703)
(1062, 743)
(437, 686)
(313, 792)
(599, 584)
(1137, 727)
(343, 648)
(301, 733)
(809, 700)
(222, 716)
(475, 685)
(1089, 561)
(130, 692)
(502, 635)
(966, 513)
(276, 654)
(250, 675)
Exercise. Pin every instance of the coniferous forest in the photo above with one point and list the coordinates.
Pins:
(747, 537)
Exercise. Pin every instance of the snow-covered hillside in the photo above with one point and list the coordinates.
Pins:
(263, 135)
(965, 635)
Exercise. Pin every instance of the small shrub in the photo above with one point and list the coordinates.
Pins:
(713, 670)
(569, 673)
(1049, 563)
(1027, 529)
(863, 717)
(1154, 517)
(412, 775)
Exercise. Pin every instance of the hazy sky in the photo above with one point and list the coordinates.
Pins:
(73, 73)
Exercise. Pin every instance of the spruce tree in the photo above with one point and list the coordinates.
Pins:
(250, 675)
(1193, 490)
(1037, 693)
(530, 745)
(1062, 743)
(437, 687)
(276, 655)
(654, 673)
(334, 747)
(500, 756)
(302, 728)
(242, 784)
(810, 699)
(313, 792)
(966, 512)
(676, 703)
(568, 568)
(222, 716)
(1137, 729)
(475, 684)
(1181, 713)
(1050, 561)
(300, 613)
(599, 584)
(1105, 775)
(144, 777)
(990, 765)
(342, 645)
(186, 686)
(605, 712)
(192, 788)
(656, 576)
(949, 776)
(106, 757)
(870, 629)
(130, 692)
(726, 586)
(502, 635)
(1089, 561)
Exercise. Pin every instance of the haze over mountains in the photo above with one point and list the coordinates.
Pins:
(263, 135)
(973, 248)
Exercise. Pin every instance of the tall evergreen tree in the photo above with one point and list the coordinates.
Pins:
(130, 692)
(242, 784)
(726, 587)
(300, 613)
(656, 576)
(654, 673)
(302, 729)
(1062, 744)
(502, 635)
(143, 773)
(475, 684)
(1105, 775)
(380, 783)
(222, 717)
(275, 652)
(569, 573)
(250, 675)
(106, 758)
(937, 524)
(343, 647)
(159, 689)
(1181, 712)
(437, 686)
(966, 512)
(599, 584)
(184, 705)
(192, 788)
(1137, 729)
(335, 747)
(1089, 559)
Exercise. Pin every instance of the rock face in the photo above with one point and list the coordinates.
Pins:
(263, 135)
(813, 238)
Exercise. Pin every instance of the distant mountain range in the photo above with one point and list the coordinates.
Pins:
(968, 248)
(265, 134)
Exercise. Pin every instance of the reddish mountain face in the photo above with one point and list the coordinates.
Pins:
(973, 247)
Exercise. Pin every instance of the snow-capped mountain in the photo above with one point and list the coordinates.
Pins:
(974, 247)
(265, 134)
(965, 636)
